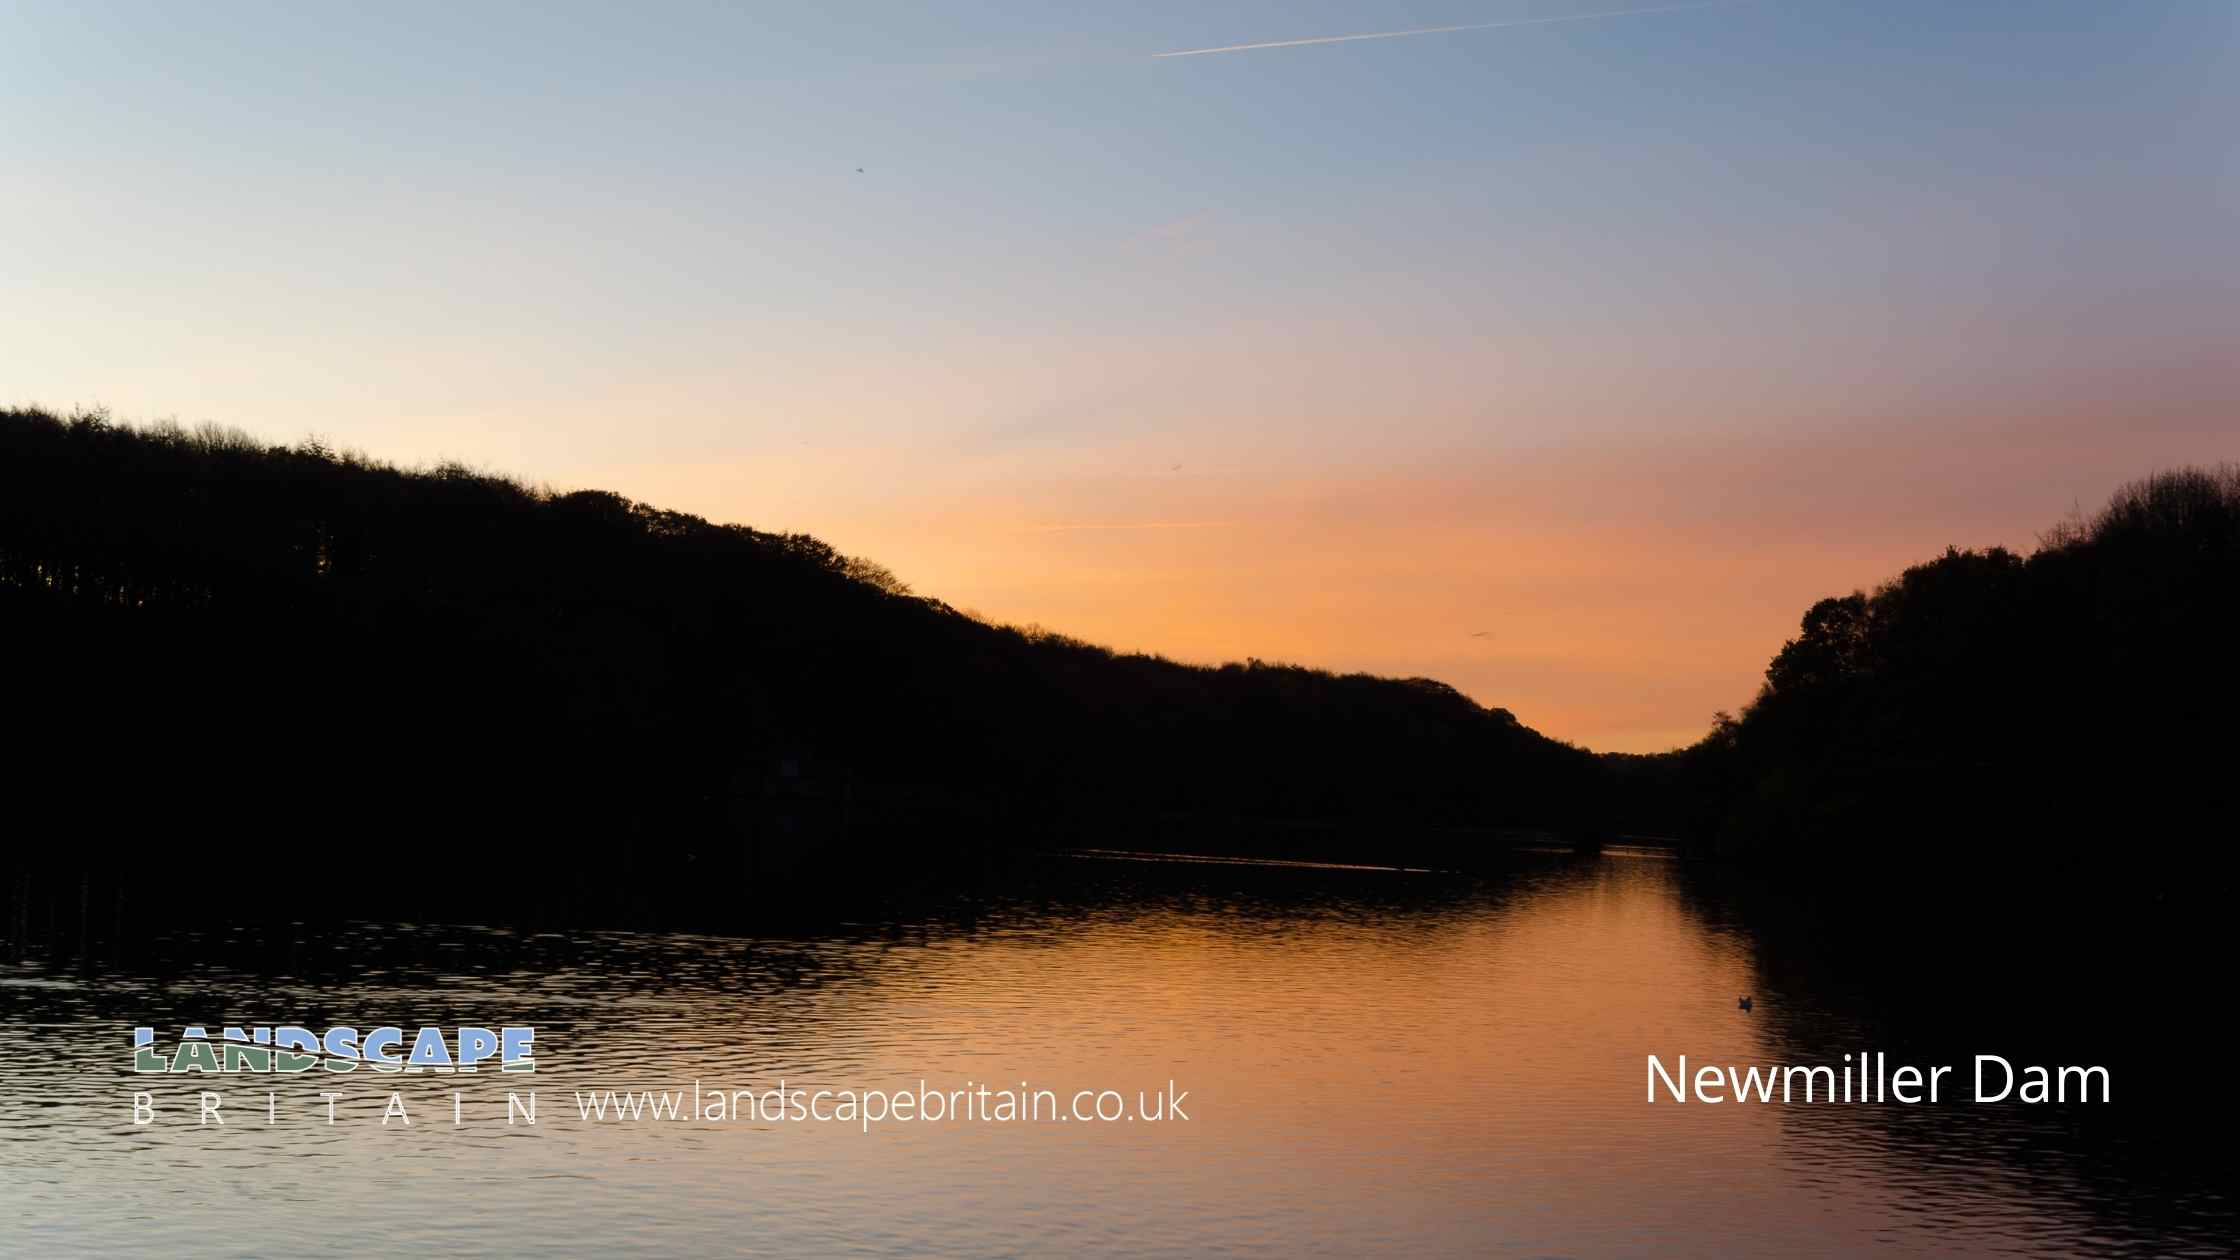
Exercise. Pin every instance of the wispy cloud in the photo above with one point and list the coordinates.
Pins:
(1443, 30)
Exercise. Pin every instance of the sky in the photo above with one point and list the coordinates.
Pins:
(1566, 361)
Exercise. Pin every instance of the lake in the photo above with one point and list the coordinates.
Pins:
(1371, 1060)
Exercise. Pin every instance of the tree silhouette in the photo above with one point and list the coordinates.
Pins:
(326, 658)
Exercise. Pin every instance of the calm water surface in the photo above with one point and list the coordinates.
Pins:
(1375, 1061)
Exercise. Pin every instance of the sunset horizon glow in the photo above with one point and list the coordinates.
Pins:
(1567, 367)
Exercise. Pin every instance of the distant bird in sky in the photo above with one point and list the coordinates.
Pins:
(859, 170)
(1481, 634)
(1176, 468)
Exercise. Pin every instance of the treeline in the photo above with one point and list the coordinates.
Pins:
(315, 663)
(2067, 713)
(1995, 799)
(235, 657)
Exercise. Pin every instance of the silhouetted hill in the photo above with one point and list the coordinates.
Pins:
(304, 657)
(2001, 785)
(292, 656)
(1995, 798)
(1988, 703)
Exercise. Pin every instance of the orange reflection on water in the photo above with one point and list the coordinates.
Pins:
(1373, 1061)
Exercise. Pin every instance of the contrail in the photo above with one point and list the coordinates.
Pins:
(1442, 30)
